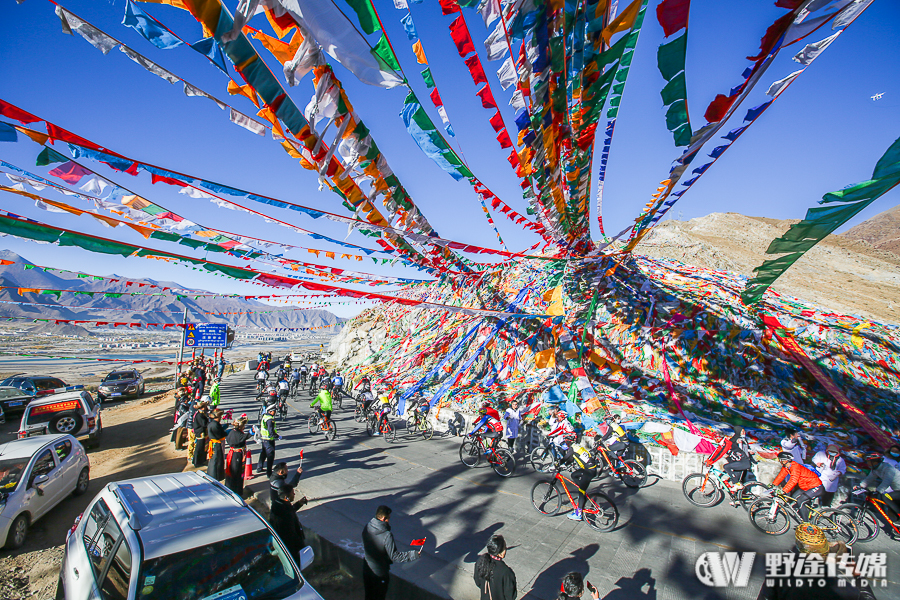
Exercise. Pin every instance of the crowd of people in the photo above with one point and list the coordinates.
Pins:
(221, 444)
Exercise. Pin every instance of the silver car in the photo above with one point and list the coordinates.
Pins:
(36, 474)
(182, 536)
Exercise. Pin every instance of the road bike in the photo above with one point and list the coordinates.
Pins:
(360, 415)
(473, 450)
(282, 407)
(316, 422)
(418, 421)
(773, 512)
(599, 512)
(707, 488)
(545, 457)
(260, 386)
(382, 426)
(313, 386)
(630, 472)
(864, 513)
(337, 396)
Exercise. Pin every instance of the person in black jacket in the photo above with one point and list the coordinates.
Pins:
(492, 576)
(280, 479)
(573, 587)
(739, 457)
(216, 453)
(381, 552)
(234, 462)
(200, 424)
(283, 518)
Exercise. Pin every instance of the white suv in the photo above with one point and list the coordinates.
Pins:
(182, 536)
(74, 413)
(36, 474)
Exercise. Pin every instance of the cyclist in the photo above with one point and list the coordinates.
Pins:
(418, 407)
(295, 380)
(337, 382)
(562, 434)
(261, 378)
(382, 410)
(888, 480)
(585, 462)
(488, 427)
(304, 373)
(739, 457)
(490, 410)
(614, 437)
(803, 484)
(313, 378)
(324, 408)
(283, 388)
(364, 385)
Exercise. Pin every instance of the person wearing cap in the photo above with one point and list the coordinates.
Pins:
(281, 479)
(267, 435)
(803, 484)
(831, 466)
(283, 519)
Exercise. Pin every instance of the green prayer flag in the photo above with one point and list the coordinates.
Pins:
(384, 55)
(683, 135)
(49, 156)
(31, 231)
(91, 244)
(676, 89)
(670, 57)
(428, 77)
(368, 20)
(676, 116)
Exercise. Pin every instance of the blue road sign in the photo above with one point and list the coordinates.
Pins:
(205, 335)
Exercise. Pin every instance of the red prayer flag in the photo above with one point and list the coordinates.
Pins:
(154, 178)
(497, 122)
(504, 140)
(448, 7)
(673, 15)
(719, 107)
(417, 542)
(58, 133)
(460, 34)
(16, 113)
(487, 98)
(70, 172)
(513, 158)
(772, 35)
(436, 97)
(475, 69)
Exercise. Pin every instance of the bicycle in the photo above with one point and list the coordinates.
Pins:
(337, 397)
(313, 387)
(773, 512)
(864, 513)
(316, 422)
(630, 472)
(706, 488)
(359, 414)
(471, 451)
(388, 431)
(282, 407)
(419, 422)
(599, 512)
(545, 457)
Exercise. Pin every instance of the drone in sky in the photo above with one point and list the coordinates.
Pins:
(878, 96)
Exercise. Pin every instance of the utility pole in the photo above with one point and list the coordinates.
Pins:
(181, 346)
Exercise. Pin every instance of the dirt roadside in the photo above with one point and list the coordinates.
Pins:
(135, 443)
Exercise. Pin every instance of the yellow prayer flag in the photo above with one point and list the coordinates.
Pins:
(545, 358)
(420, 53)
(623, 22)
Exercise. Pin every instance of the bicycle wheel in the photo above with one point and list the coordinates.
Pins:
(411, 425)
(503, 463)
(370, 426)
(389, 432)
(331, 432)
(283, 410)
(633, 474)
(340, 400)
(546, 497)
(358, 414)
(313, 423)
(701, 490)
(837, 525)
(769, 517)
(751, 492)
(427, 430)
(469, 454)
(866, 524)
(600, 512)
(542, 460)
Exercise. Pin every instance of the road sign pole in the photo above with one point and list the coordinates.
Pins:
(181, 347)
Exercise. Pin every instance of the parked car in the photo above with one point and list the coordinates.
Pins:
(74, 413)
(12, 399)
(39, 385)
(36, 474)
(121, 383)
(149, 537)
(2, 415)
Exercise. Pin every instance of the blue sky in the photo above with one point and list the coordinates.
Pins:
(824, 133)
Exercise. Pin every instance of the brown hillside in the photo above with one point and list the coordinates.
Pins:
(840, 273)
(881, 231)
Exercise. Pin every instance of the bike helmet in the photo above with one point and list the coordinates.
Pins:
(873, 456)
(785, 456)
(561, 413)
(271, 409)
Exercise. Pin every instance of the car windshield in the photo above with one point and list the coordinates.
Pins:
(11, 471)
(252, 566)
(47, 384)
(118, 377)
(10, 393)
(16, 382)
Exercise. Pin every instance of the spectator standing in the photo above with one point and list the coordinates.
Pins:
(281, 479)
(572, 587)
(200, 424)
(215, 452)
(513, 416)
(494, 578)
(267, 434)
(381, 552)
(237, 451)
(283, 518)
(794, 444)
(221, 366)
(831, 466)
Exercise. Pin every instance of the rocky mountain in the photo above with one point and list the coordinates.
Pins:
(881, 231)
(842, 273)
(165, 308)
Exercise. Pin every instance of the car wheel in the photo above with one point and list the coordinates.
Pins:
(84, 479)
(66, 423)
(100, 398)
(141, 393)
(18, 531)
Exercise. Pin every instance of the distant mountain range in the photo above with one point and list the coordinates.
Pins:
(145, 309)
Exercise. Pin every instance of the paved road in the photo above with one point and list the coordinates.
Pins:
(651, 554)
